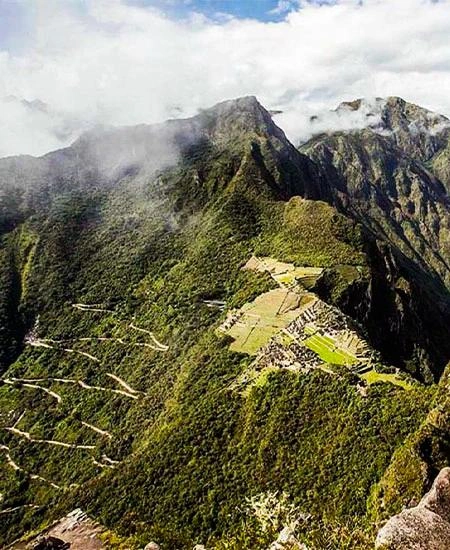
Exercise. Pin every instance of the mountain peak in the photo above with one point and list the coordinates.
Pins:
(235, 117)
(396, 113)
(240, 103)
(399, 113)
(415, 129)
(360, 103)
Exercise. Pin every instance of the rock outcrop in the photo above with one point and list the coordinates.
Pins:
(424, 527)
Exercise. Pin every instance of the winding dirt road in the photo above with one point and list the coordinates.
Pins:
(92, 307)
(162, 347)
(47, 343)
(31, 382)
(97, 430)
(122, 383)
(27, 435)
(14, 381)
(17, 468)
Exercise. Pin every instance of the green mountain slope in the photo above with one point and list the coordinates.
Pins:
(123, 256)
(383, 177)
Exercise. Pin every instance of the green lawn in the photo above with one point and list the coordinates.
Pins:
(326, 349)
(310, 330)
(265, 317)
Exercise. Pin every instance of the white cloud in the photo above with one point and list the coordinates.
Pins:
(112, 63)
(283, 6)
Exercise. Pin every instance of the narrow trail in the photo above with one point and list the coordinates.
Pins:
(110, 460)
(92, 307)
(102, 465)
(47, 343)
(29, 384)
(16, 423)
(117, 340)
(218, 304)
(39, 344)
(10, 460)
(97, 430)
(100, 388)
(88, 355)
(122, 383)
(32, 380)
(162, 347)
(27, 436)
(9, 510)
(17, 468)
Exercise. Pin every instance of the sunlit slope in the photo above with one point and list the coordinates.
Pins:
(119, 394)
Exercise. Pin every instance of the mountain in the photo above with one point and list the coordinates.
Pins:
(203, 327)
(383, 177)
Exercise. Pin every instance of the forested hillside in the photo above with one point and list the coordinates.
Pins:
(128, 304)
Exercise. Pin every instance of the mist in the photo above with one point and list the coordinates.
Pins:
(112, 63)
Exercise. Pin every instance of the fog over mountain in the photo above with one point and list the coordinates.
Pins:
(117, 62)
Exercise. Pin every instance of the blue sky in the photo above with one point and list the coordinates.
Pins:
(263, 10)
(16, 15)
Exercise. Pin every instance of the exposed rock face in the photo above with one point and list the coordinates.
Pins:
(424, 527)
(383, 181)
(75, 531)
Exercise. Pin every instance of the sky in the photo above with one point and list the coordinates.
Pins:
(220, 10)
(122, 62)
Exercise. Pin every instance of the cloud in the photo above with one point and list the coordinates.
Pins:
(108, 62)
(283, 6)
(304, 126)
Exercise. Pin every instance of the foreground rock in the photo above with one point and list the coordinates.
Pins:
(50, 543)
(424, 527)
(75, 531)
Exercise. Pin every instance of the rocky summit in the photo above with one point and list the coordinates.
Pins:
(212, 338)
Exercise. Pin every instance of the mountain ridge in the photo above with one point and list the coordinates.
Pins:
(115, 278)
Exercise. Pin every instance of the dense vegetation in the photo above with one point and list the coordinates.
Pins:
(148, 246)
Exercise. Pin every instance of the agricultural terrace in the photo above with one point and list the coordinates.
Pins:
(256, 322)
(371, 377)
(286, 275)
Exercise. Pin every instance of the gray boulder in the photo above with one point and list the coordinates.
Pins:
(424, 527)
